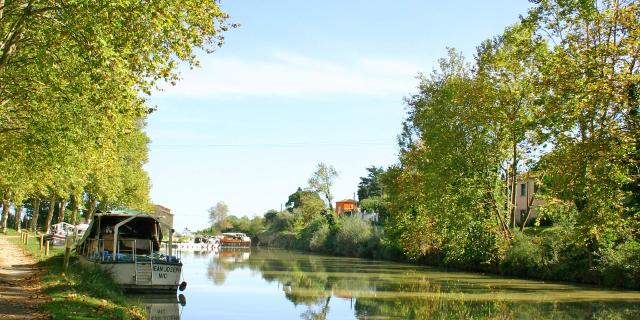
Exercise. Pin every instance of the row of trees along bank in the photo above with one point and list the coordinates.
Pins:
(556, 96)
(74, 78)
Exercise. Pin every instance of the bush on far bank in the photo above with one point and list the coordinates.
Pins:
(345, 236)
(555, 255)
(353, 236)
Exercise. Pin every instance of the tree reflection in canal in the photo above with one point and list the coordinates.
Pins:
(377, 289)
(225, 260)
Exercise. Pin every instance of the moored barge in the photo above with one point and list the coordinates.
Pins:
(234, 239)
(128, 245)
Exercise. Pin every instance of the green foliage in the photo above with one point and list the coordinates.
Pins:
(554, 96)
(447, 188)
(74, 79)
(314, 236)
(619, 265)
(298, 198)
(305, 206)
(319, 238)
(218, 215)
(283, 221)
(352, 236)
(322, 180)
(270, 216)
(479, 248)
(346, 235)
(370, 186)
(525, 257)
(310, 206)
(375, 204)
(252, 227)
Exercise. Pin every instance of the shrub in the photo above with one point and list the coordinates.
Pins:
(620, 265)
(377, 205)
(314, 234)
(352, 236)
(285, 239)
(475, 247)
(319, 239)
(283, 221)
(524, 257)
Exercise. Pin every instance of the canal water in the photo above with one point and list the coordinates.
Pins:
(282, 284)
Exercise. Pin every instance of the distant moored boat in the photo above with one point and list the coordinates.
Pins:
(234, 239)
(61, 230)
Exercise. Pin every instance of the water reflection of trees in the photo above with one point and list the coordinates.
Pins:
(388, 290)
(225, 260)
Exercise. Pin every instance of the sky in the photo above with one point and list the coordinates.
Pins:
(299, 83)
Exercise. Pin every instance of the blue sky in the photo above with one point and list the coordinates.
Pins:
(301, 82)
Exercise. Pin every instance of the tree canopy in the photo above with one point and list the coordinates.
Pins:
(218, 216)
(369, 186)
(554, 96)
(74, 79)
(300, 198)
(322, 180)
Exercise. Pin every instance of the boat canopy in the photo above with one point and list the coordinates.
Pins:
(141, 226)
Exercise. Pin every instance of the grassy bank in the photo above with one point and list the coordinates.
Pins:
(81, 293)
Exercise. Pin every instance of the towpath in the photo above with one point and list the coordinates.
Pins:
(20, 292)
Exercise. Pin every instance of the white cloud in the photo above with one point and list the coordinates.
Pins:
(286, 74)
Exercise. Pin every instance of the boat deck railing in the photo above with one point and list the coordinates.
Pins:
(127, 251)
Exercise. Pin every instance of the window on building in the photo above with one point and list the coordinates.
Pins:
(523, 189)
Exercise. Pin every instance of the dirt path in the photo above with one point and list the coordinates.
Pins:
(20, 294)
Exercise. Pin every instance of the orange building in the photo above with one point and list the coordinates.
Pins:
(347, 205)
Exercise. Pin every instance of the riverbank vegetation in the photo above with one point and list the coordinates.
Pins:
(554, 99)
(74, 83)
(78, 293)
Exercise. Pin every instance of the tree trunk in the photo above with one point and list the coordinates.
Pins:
(514, 170)
(93, 203)
(18, 217)
(493, 205)
(52, 207)
(5, 211)
(330, 203)
(506, 205)
(35, 214)
(74, 210)
(61, 212)
(524, 223)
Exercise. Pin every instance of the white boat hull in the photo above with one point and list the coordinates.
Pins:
(164, 276)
